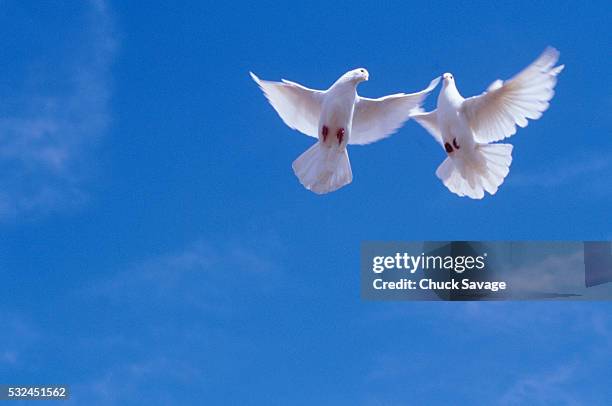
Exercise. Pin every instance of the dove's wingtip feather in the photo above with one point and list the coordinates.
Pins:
(253, 76)
(551, 49)
(558, 69)
(551, 52)
(431, 86)
(434, 83)
(549, 57)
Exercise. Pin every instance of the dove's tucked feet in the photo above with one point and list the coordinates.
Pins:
(340, 135)
(324, 132)
(449, 148)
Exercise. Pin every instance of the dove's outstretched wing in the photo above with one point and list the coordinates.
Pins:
(494, 114)
(375, 119)
(298, 106)
(428, 121)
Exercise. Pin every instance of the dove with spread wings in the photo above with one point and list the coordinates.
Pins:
(337, 117)
(467, 128)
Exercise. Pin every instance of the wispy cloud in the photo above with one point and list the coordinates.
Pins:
(204, 275)
(574, 380)
(46, 141)
(187, 297)
(561, 272)
(17, 337)
(546, 388)
(582, 169)
(154, 330)
(129, 383)
(530, 353)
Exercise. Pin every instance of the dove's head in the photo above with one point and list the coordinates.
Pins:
(357, 75)
(447, 79)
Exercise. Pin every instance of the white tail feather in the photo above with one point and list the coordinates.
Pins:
(322, 169)
(474, 180)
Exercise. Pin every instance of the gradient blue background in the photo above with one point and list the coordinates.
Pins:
(156, 248)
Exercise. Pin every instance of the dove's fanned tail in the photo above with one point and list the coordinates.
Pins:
(464, 178)
(322, 169)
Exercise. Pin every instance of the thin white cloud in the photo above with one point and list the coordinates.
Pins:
(18, 335)
(556, 273)
(47, 140)
(550, 387)
(130, 382)
(576, 380)
(583, 169)
(202, 275)
(466, 332)
(213, 280)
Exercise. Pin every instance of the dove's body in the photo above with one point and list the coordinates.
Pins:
(325, 166)
(455, 131)
(337, 117)
(453, 125)
(467, 128)
(337, 111)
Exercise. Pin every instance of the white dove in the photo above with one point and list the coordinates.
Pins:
(465, 128)
(337, 117)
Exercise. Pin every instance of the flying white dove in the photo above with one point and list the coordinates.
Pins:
(465, 128)
(337, 117)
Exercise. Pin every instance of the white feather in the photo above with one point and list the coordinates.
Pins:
(376, 119)
(494, 114)
(298, 106)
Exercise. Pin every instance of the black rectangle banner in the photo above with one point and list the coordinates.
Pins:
(486, 270)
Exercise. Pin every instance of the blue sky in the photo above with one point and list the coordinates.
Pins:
(157, 249)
